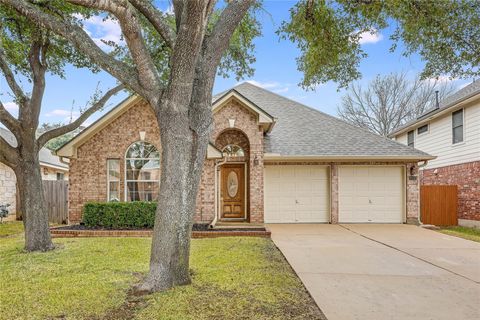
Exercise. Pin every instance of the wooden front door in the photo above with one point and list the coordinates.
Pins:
(232, 192)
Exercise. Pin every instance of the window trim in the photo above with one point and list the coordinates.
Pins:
(119, 178)
(425, 132)
(125, 159)
(413, 135)
(463, 127)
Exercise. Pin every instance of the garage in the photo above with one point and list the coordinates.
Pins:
(371, 194)
(297, 194)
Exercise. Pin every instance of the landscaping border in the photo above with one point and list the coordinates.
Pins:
(59, 233)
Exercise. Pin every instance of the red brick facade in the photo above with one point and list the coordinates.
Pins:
(233, 124)
(467, 177)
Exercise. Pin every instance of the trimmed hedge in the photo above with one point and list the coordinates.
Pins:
(120, 215)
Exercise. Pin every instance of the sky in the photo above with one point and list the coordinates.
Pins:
(275, 70)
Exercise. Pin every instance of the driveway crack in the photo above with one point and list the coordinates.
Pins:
(409, 254)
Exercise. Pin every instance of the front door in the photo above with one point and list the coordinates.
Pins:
(232, 192)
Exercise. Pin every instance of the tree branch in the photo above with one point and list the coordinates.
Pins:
(157, 20)
(80, 39)
(12, 83)
(8, 154)
(8, 120)
(44, 138)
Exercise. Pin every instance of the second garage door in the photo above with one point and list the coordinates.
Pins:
(370, 194)
(296, 193)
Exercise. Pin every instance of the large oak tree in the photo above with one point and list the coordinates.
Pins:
(192, 44)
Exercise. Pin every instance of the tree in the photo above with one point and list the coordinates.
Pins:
(59, 141)
(171, 61)
(28, 52)
(390, 101)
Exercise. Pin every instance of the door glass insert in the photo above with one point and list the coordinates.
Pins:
(232, 184)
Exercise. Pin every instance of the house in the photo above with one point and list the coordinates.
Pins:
(51, 167)
(452, 133)
(270, 160)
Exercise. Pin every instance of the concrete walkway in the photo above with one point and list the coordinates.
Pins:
(384, 271)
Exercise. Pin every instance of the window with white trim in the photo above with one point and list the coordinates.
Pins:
(142, 172)
(113, 177)
(422, 129)
(411, 138)
(232, 150)
(457, 126)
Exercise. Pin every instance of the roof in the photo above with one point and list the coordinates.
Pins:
(45, 156)
(450, 102)
(301, 131)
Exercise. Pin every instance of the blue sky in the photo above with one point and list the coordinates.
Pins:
(275, 70)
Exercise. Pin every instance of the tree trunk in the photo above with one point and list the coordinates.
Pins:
(32, 203)
(183, 155)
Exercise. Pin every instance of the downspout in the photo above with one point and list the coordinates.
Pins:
(424, 164)
(215, 218)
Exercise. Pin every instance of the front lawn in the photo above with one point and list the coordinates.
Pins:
(89, 278)
(10, 228)
(463, 232)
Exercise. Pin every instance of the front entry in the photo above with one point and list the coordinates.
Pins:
(232, 191)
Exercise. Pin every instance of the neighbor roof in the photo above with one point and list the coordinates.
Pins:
(448, 103)
(301, 131)
(45, 156)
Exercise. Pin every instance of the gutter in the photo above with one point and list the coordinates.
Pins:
(279, 157)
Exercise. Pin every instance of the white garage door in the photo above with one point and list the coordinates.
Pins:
(296, 194)
(371, 194)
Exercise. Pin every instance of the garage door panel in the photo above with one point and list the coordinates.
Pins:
(301, 194)
(371, 194)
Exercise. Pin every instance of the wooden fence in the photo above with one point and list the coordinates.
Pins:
(56, 196)
(438, 205)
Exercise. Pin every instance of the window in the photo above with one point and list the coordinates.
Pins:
(411, 138)
(142, 172)
(232, 150)
(113, 176)
(60, 176)
(422, 129)
(457, 126)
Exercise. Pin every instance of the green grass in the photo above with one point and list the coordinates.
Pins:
(233, 278)
(10, 228)
(463, 232)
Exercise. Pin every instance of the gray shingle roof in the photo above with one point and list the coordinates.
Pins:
(303, 131)
(469, 91)
(45, 156)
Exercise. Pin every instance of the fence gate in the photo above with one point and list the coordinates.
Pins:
(438, 205)
(56, 196)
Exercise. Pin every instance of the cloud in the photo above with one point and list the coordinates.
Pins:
(372, 36)
(264, 85)
(11, 106)
(63, 113)
(100, 28)
(441, 79)
(282, 90)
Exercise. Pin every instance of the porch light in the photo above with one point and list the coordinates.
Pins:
(255, 161)
(142, 135)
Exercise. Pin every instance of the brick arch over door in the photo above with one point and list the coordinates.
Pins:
(234, 137)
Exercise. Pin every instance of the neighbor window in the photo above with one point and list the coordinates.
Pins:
(60, 176)
(457, 126)
(113, 176)
(422, 129)
(142, 168)
(411, 138)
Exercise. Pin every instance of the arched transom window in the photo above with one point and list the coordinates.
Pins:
(142, 172)
(232, 150)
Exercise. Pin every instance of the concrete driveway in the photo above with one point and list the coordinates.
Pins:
(384, 271)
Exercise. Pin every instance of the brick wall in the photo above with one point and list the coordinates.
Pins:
(467, 177)
(8, 185)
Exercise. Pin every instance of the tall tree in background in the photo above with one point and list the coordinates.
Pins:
(390, 101)
(27, 52)
(171, 61)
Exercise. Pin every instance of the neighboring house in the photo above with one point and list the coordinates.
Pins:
(270, 160)
(51, 166)
(452, 133)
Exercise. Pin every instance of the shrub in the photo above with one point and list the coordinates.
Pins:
(119, 215)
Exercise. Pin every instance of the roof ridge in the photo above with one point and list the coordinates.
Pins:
(328, 115)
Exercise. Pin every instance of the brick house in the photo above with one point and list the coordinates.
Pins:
(270, 159)
(452, 133)
(51, 167)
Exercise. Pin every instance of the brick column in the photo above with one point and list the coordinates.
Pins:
(334, 194)
(412, 193)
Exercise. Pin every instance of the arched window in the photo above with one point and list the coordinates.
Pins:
(142, 172)
(232, 150)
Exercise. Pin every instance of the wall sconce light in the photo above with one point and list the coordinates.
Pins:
(255, 161)
(142, 135)
(231, 123)
(412, 170)
(435, 172)
(45, 171)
